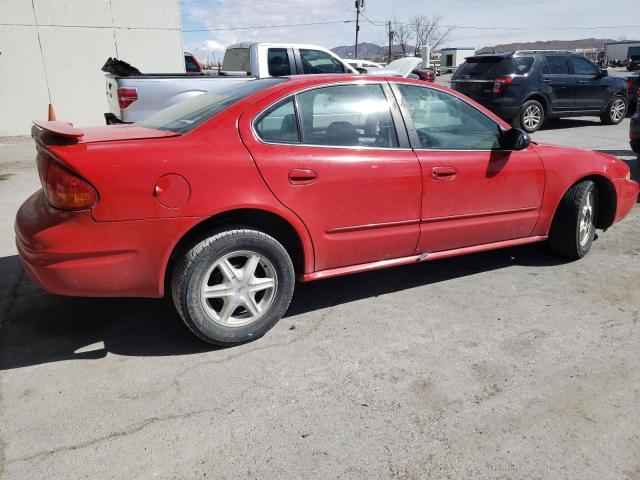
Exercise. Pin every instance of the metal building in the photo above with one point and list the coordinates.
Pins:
(51, 51)
(622, 50)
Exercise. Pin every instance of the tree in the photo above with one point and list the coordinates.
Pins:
(402, 33)
(428, 32)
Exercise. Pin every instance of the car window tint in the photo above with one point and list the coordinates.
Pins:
(315, 61)
(582, 66)
(494, 66)
(347, 115)
(445, 122)
(278, 60)
(279, 124)
(555, 65)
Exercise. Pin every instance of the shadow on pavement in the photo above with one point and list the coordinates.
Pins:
(562, 123)
(40, 328)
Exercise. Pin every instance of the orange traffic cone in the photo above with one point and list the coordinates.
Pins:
(52, 113)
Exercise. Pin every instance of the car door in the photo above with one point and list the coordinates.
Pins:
(559, 84)
(473, 192)
(591, 89)
(334, 156)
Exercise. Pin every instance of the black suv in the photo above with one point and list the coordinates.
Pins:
(528, 87)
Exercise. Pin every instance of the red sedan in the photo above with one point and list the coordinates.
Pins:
(426, 74)
(230, 197)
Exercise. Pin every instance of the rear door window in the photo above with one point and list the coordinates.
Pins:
(555, 65)
(278, 60)
(495, 66)
(347, 115)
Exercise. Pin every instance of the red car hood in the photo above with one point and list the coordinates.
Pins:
(101, 134)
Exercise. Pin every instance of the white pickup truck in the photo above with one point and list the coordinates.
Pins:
(134, 97)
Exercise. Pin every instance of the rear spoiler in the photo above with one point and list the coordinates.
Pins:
(62, 129)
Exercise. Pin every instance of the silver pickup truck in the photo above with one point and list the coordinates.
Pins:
(134, 97)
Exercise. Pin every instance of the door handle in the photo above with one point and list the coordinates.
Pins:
(583, 81)
(302, 176)
(444, 173)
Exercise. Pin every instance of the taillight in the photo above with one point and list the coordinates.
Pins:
(126, 96)
(66, 190)
(633, 135)
(500, 83)
(630, 85)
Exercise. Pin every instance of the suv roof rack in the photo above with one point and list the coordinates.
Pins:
(543, 51)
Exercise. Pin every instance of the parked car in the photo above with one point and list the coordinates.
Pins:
(633, 83)
(634, 128)
(425, 74)
(192, 65)
(132, 97)
(530, 86)
(229, 197)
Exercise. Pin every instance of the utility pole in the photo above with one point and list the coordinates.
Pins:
(391, 33)
(359, 5)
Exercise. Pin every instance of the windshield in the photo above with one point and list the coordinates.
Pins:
(494, 66)
(185, 116)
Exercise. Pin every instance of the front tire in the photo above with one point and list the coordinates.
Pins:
(531, 116)
(574, 224)
(234, 286)
(616, 111)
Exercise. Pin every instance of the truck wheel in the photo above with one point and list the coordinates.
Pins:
(234, 286)
(574, 224)
(616, 111)
(531, 116)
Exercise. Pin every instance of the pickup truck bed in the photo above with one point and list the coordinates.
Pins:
(152, 92)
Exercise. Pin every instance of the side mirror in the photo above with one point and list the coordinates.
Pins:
(514, 139)
(602, 74)
(362, 71)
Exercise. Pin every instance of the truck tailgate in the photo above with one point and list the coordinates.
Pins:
(111, 86)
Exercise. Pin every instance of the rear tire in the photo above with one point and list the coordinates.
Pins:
(531, 116)
(234, 286)
(574, 224)
(616, 111)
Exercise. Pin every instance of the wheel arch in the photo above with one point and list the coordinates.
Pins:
(607, 200)
(540, 97)
(297, 244)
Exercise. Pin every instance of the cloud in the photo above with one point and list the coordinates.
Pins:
(231, 14)
(542, 20)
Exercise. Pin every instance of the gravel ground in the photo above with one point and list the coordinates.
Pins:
(501, 365)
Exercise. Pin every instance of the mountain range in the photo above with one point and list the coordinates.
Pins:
(371, 50)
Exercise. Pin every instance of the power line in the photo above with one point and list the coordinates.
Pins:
(267, 26)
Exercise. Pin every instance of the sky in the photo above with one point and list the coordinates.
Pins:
(494, 21)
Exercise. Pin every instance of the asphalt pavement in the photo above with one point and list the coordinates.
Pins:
(510, 364)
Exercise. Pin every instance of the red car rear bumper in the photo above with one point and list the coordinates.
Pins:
(627, 191)
(69, 253)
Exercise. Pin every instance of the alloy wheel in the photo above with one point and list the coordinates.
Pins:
(532, 117)
(238, 288)
(585, 220)
(617, 110)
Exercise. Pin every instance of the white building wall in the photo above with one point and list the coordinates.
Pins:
(52, 51)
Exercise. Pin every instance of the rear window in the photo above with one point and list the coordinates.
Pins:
(237, 60)
(495, 66)
(185, 116)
